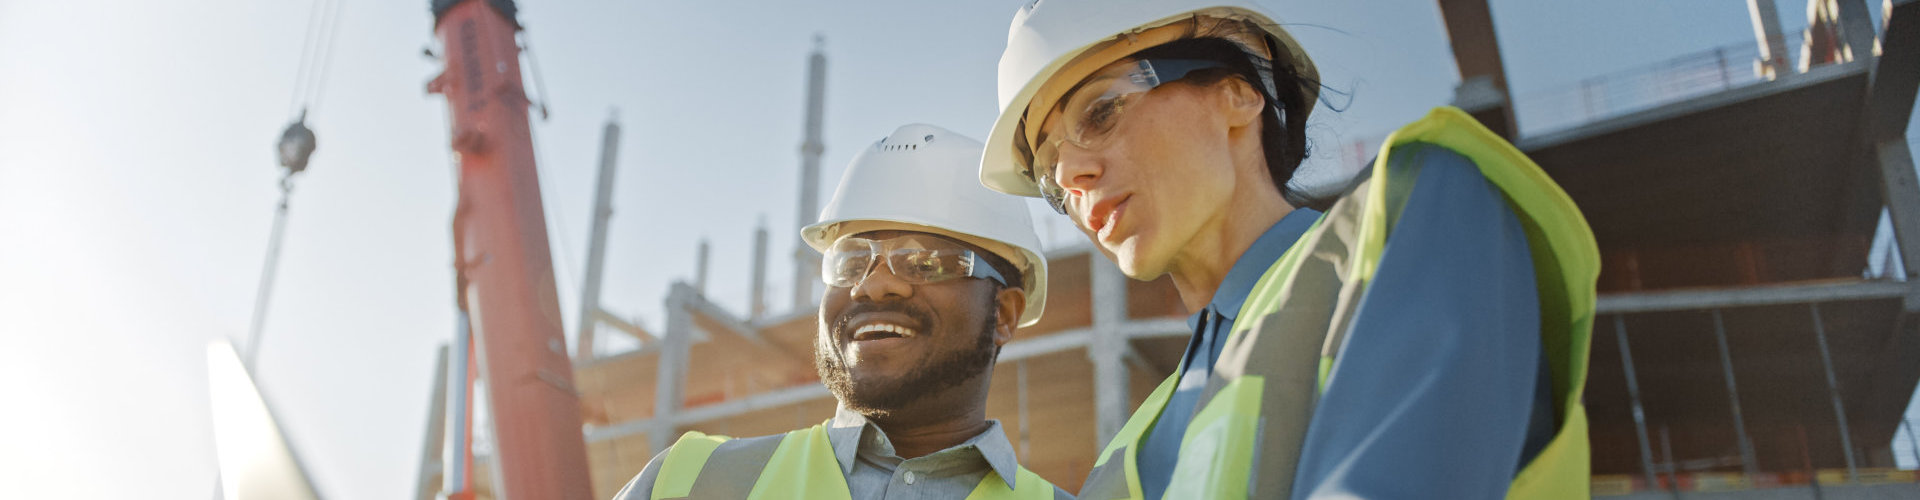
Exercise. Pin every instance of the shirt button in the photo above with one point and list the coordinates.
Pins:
(909, 477)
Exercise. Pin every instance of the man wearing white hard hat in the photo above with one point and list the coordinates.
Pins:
(1420, 332)
(928, 274)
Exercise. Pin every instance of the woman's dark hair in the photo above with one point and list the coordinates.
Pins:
(1283, 134)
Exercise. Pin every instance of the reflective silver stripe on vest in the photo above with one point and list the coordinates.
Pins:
(734, 467)
(1109, 480)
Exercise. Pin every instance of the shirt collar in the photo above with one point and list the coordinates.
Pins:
(848, 432)
(1253, 264)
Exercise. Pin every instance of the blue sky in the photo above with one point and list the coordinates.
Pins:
(137, 185)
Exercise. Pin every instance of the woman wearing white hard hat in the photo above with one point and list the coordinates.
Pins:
(1420, 333)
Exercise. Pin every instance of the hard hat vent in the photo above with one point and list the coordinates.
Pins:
(883, 146)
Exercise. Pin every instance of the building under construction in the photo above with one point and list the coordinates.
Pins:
(1748, 343)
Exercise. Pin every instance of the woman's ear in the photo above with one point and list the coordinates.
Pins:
(1243, 103)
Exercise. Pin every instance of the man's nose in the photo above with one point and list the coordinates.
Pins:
(881, 285)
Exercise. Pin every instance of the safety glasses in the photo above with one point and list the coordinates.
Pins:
(915, 258)
(1091, 111)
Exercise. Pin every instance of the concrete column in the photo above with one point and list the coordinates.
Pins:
(1483, 90)
(1109, 348)
(1902, 191)
(1857, 28)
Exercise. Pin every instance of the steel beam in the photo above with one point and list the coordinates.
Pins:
(1696, 299)
(621, 324)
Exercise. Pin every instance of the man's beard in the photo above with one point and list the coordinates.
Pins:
(940, 371)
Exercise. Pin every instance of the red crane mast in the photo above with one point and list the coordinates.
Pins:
(501, 255)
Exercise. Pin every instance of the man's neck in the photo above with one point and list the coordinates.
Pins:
(921, 431)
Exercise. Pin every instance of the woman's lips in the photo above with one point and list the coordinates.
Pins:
(1105, 215)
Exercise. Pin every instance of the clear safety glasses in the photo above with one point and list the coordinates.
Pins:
(915, 259)
(1090, 112)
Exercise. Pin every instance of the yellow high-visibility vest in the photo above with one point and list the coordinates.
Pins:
(1275, 361)
(800, 465)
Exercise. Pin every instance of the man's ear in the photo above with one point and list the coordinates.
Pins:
(1011, 303)
(1243, 104)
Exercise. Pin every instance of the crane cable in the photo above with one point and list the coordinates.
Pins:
(316, 56)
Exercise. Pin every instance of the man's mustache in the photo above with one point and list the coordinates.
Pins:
(918, 314)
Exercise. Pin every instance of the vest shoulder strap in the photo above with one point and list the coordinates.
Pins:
(711, 467)
(802, 466)
(683, 463)
(731, 471)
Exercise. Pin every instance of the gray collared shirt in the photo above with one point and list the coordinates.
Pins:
(873, 471)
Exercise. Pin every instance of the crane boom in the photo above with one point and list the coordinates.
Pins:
(502, 256)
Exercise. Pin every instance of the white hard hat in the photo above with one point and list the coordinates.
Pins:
(922, 178)
(1048, 34)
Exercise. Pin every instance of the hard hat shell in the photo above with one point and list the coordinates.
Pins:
(1048, 34)
(922, 178)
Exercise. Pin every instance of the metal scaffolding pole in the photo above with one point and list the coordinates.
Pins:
(1633, 391)
(1108, 349)
(597, 242)
(454, 481)
(806, 261)
(1026, 424)
(757, 303)
(1833, 391)
(1748, 462)
(1673, 471)
(700, 269)
(670, 381)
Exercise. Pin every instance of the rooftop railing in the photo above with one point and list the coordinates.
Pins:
(1645, 87)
